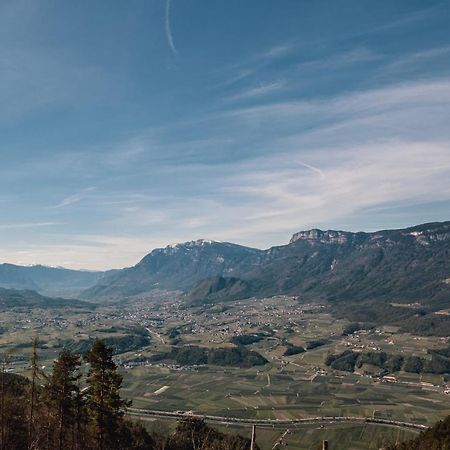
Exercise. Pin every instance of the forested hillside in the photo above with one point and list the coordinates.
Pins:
(362, 275)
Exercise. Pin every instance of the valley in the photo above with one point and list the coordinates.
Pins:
(286, 387)
(255, 336)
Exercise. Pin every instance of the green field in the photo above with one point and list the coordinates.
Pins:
(238, 393)
(287, 387)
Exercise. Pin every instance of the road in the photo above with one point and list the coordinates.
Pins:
(156, 334)
(279, 441)
(270, 422)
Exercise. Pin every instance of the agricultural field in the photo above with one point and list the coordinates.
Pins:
(309, 437)
(248, 394)
(339, 437)
(298, 385)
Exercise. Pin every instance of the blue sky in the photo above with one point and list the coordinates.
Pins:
(126, 126)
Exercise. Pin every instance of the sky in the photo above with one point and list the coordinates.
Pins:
(126, 126)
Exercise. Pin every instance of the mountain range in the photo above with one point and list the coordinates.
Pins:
(402, 265)
(390, 266)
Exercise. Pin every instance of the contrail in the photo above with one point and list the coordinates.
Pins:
(168, 30)
(314, 169)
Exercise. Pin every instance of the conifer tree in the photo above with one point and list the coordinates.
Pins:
(79, 429)
(104, 405)
(34, 375)
(62, 393)
(4, 365)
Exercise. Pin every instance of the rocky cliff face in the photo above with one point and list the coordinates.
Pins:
(422, 234)
(324, 237)
(429, 233)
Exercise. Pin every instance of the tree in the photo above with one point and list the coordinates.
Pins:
(414, 364)
(195, 434)
(435, 438)
(15, 412)
(104, 405)
(2, 400)
(55, 415)
(62, 393)
(34, 376)
(4, 365)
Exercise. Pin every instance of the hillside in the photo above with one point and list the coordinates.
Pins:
(412, 264)
(435, 438)
(14, 298)
(407, 265)
(402, 265)
(176, 267)
(362, 275)
(52, 281)
(217, 288)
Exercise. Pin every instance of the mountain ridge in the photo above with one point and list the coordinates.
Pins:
(176, 267)
(50, 281)
(321, 264)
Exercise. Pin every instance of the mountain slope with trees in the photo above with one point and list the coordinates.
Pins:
(176, 267)
(14, 298)
(407, 265)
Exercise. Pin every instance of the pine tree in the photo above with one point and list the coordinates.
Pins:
(34, 376)
(62, 393)
(79, 430)
(2, 402)
(4, 365)
(105, 407)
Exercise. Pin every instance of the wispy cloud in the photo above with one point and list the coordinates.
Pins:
(342, 59)
(13, 226)
(259, 91)
(364, 176)
(274, 52)
(75, 198)
(406, 97)
(416, 60)
(168, 29)
(254, 64)
(408, 19)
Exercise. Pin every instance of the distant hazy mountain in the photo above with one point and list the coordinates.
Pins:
(177, 267)
(50, 281)
(14, 298)
(401, 265)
